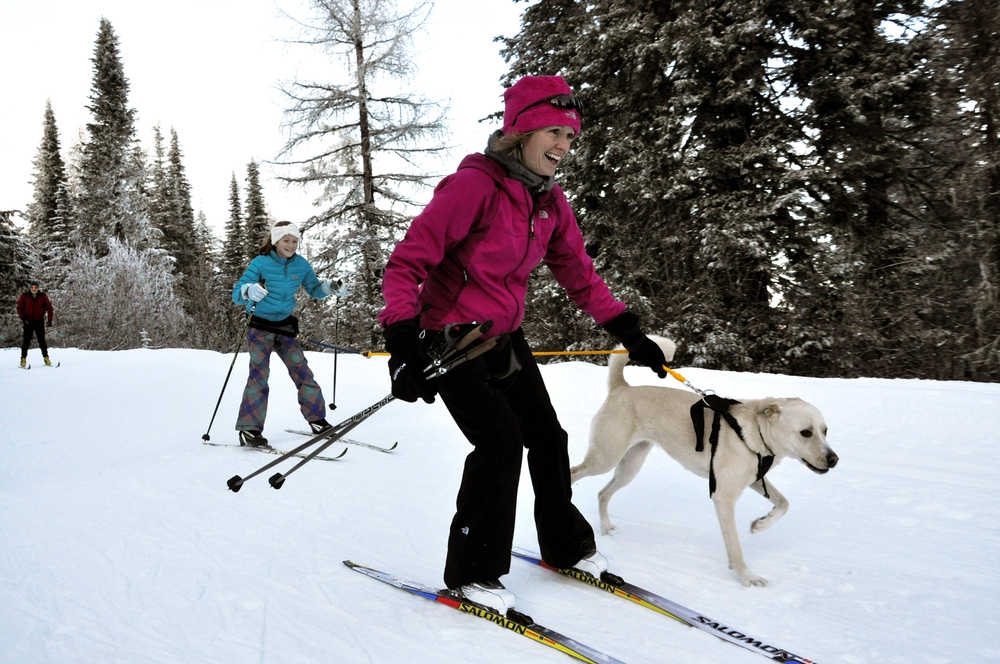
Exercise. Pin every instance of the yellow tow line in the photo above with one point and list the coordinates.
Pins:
(674, 374)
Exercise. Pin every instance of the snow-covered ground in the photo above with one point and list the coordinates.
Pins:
(122, 543)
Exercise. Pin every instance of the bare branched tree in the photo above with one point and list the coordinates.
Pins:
(359, 145)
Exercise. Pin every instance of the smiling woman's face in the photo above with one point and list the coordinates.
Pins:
(545, 148)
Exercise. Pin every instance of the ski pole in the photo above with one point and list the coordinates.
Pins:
(236, 352)
(339, 349)
(336, 335)
(235, 482)
(462, 351)
(278, 479)
(434, 371)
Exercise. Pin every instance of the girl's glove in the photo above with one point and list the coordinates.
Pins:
(253, 292)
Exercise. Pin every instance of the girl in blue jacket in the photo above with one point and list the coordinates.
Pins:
(268, 288)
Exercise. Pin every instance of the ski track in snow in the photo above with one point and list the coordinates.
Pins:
(121, 542)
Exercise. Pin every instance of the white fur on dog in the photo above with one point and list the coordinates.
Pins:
(633, 419)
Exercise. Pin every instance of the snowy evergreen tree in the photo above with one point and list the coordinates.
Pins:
(232, 262)
(257, 222)
(359, 136)
(865, 104)
(205, 243)
(743, 173)
(17, 262)
(962, 293)
(63, 222)
(180, 238)
(111, 197)
(676, 166)
(50, 211)
(234, 259)
(158, 188)
(74, 180)
(204, 286)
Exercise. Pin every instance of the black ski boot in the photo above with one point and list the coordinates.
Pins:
(252, 438)
(319, 426)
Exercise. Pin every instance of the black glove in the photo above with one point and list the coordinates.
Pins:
(407, 362)
(641, 349)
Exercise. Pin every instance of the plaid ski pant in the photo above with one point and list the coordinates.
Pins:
(253, 409)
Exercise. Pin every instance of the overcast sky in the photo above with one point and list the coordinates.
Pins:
(210, 70)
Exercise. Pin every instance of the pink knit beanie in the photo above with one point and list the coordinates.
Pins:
(526, 108)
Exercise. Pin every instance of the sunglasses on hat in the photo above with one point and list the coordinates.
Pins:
(559, 101)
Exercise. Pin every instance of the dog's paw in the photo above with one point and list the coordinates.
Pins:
(749, 579)
(761, 524)
(608, 528)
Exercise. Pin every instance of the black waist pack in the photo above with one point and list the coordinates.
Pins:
(286, 327)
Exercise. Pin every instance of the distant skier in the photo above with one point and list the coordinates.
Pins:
(273, 327)
(32, 307)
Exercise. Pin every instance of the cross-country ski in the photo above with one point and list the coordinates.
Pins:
(516, 623)
(615, 585)
(351, 441)
(274, 450)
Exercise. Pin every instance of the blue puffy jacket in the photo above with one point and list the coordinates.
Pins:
(282, 278)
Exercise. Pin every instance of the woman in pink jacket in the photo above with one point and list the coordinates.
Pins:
(467, 258)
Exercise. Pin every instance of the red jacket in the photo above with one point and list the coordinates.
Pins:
(468, 255)
(34, 307)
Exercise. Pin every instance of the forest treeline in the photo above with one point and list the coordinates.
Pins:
(807, 188)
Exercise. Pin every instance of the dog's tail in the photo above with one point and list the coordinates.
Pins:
(616, 369)
(617, 361)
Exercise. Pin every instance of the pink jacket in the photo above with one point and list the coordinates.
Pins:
(468, 255)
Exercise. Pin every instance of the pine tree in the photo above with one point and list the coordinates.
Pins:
(257, 222)
(234, 251)
(111, 200)
(866, 103)
(63, 222)
(627, 148)
(674, 172)
(158, 188)
(50, 211)
(964, 298)
(232, 263)
(740, 177)
(204, 285)
(361, 142)
(180, 240)
(16, 264)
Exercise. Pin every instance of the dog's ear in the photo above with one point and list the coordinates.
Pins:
(771, 410)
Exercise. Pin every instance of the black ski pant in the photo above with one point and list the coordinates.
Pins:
(36, 328)
(499, 416)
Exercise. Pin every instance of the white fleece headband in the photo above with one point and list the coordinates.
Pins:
(278, 232)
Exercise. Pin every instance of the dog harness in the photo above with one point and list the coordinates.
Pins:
(720, 406)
